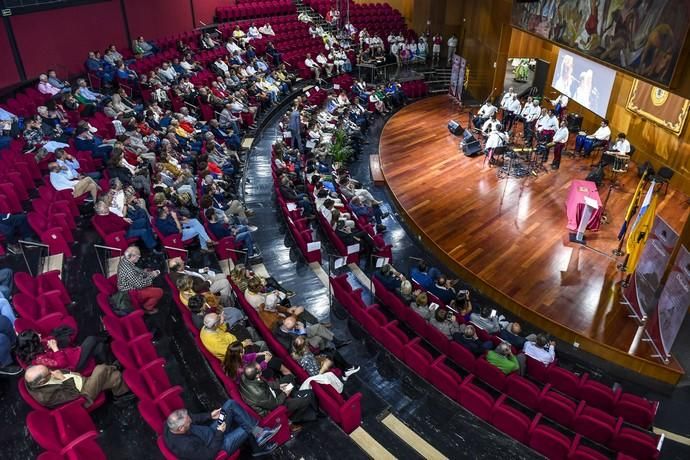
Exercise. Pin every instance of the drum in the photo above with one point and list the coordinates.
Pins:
(621, 162)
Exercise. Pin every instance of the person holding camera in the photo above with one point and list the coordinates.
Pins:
(543, 349)
(202, 436)
(446, 323)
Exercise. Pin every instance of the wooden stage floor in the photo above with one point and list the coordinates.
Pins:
(508, 237)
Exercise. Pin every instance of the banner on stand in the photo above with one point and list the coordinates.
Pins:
(657, 252)
(673, 304)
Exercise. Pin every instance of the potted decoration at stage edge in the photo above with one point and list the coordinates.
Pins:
(340, 148)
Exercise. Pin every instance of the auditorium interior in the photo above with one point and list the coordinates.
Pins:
(314, 229)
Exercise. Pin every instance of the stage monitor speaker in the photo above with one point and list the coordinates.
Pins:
(574, 121)
(470, 145)
(454, 127)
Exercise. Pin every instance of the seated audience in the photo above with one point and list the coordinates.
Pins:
(512, 333)
(502, 357)
(491, 324)
(468, 338)
(421, 306)
(216, 337)
(543, 349)
(33, 349)
(446, 323)
(264, 396)
(203, 436)
(15, 227)
(51, 388)
(138, 281)
(8, 340)
(61, 179)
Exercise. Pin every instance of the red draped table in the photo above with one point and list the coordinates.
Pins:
(583, 202)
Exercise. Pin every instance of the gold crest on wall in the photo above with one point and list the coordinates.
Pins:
(658, 105)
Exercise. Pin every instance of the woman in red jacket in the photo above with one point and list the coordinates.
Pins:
(33, 349)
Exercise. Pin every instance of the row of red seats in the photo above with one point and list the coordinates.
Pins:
(144, 371)
(634, 409)
(66, 432)
(257, 9)
(588, 422)
(24, 103)
(54, 213)
(299, 226)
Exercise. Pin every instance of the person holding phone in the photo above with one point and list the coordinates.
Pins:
(202, 436)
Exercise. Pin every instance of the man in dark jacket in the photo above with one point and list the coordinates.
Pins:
(263, 396)
(202, 436)
(468, 339)
(53, 388)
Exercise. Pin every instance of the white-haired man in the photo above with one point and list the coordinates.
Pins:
(202, 436)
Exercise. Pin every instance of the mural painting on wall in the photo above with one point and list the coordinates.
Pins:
(658, 105)
(644, 37)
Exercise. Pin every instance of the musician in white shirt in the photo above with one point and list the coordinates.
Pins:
(530, 113)
(560, 140)
(490, 125)
(622, 144)
(547, 124)
(513, 109)
(589, 142)
(485, 112)
(560, 103)
(497, 138)
(507, 97)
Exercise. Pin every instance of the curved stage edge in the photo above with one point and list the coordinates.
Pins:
(508, 237)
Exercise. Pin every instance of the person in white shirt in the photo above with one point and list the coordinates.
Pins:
(395, 51)
(253, 33)
(304, 17)
(589, 142)
(313, 66)
(507, 97)
(513, 110)
(560, 140)
(529, 115)
(232, 46)
(542, 350)
(560, 103)
(622, 144)
(547, 124)
(487, 111)
(323, 62)
(490, 125)
(266, 29)
(452, 46)
(497, 138)
(61, 179)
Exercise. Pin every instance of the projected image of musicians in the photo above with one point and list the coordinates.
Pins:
(586, 93)
(565, 80)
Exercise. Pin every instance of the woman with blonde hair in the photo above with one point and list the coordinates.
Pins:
(421, 306)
